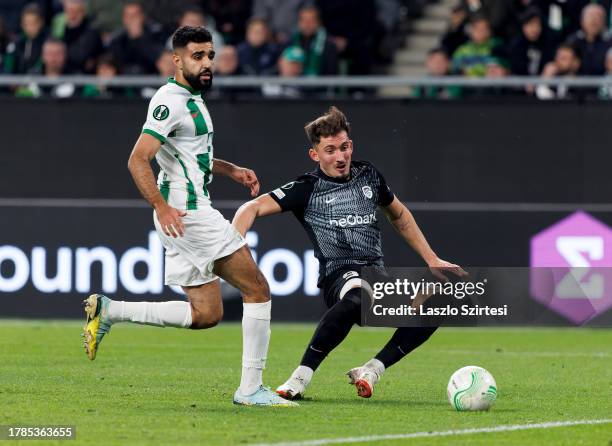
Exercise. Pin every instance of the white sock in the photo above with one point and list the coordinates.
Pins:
(303, 373)
(377, 365)
(255, 340)
(161, 314)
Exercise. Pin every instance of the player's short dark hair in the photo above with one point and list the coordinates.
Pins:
(330, 124)
(187, 34)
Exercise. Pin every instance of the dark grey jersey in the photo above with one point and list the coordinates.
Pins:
(340, 216)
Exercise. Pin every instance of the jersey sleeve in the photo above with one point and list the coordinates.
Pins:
(293, 196)
(385, 194)
(163, 117)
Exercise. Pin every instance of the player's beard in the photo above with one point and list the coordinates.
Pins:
(197, 83)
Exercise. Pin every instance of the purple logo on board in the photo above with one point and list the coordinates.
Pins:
(571, 271)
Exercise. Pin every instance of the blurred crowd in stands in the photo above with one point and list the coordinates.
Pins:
(547, 38)
(290, 38)
(251, 37)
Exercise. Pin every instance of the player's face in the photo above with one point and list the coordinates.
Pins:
(333, 153)
(195, 62)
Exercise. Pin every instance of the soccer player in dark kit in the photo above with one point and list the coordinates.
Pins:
(337, 205)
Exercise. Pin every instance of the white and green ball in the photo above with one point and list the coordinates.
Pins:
(471, 388)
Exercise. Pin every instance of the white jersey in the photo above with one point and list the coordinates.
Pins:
(179, 119)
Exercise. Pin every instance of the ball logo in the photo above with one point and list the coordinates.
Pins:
(161, 112)
(367, 191)
(571, 271)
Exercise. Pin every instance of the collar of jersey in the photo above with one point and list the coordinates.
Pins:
(171, 80)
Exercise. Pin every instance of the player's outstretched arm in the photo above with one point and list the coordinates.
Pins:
(139, 165)
(240, 175)
(404, 223)
(249, 211)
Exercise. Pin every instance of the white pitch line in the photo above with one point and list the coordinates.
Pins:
(527, 353)
(482, 430)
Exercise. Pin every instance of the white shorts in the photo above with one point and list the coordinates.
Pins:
(208, 237)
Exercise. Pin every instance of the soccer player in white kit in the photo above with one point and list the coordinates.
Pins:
(200, 244)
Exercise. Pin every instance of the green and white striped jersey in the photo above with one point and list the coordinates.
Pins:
(179, 119)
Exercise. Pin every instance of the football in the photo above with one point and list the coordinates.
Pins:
(471, 388)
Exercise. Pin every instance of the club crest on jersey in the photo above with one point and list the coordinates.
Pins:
(161, 112)
(367, 191)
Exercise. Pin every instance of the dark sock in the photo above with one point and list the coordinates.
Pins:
(403, 341)
(333, 328)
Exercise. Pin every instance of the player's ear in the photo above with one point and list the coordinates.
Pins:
(177, 60)
(313, 155)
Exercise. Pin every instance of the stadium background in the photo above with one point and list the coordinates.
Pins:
(484, 173)
(498, 142)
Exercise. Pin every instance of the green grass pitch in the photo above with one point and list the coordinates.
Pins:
(170, 386)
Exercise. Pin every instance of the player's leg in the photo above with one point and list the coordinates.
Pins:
(203, 309)
(182, 267)
(403, 341)
(332, 329)
(239, 270)
(102, 312)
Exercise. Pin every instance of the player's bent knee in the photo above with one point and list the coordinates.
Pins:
(205, 318)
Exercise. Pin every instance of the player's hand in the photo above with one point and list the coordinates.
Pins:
(247, 178)
(170, 220)
(438, 266)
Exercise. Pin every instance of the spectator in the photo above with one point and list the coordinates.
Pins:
(54, 61)
(281, 15)
(4, 40)
(591, 42)
(230, 17)
(54, 58)
(562, 16)
(168, 12)
(194, 16)
(106, 68)
(165, 64)
(82, 40)
(106, 15)
(258, 55)
(501, 14)
(534, 48)
(24, 54)
(165, 67)
(226, 63)
(137, 45)
(351, 26)
(438, 65)
(456, 34)
(320, 53)
(290, 64)
(565, 64)
(605, 91)
(388, 36)
(471, 58)
(11, 12)
(498, 67)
